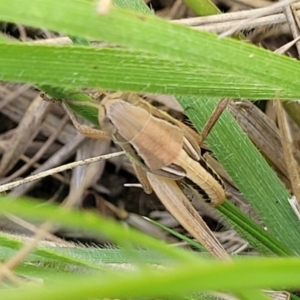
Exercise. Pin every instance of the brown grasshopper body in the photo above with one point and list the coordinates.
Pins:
(158, 143)
(163, 151)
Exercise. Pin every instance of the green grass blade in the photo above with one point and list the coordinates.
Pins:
(7, 242)
(90, 222)
(202, 7)
(114, 69)
(246, 274)
(136, 5)
(180, 236)
(256, 180)
(243, 64)
(93, 255)
(257, 237)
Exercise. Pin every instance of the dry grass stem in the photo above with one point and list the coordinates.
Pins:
(40, 152)
(56, 159)
(14, 184)
(287, 146)
(269, 10)
(241, 20)
(287, 46)
(290, 18)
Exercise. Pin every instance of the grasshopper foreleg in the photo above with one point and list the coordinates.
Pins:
(84, 129)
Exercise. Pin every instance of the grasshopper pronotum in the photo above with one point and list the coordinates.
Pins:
(163, 151)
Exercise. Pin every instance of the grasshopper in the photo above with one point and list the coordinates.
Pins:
(163, 151)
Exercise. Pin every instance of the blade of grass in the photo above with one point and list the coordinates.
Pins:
(257, 237)
(202, 8)
(233, 59)
(46, 253)
(136, 5)
(180, 236)
(91, 222)
(116, 69)
(94, 224)
(249, 171)
(246, 274)
(96, 256)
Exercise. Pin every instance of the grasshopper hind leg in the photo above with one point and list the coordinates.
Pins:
(191, 191)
